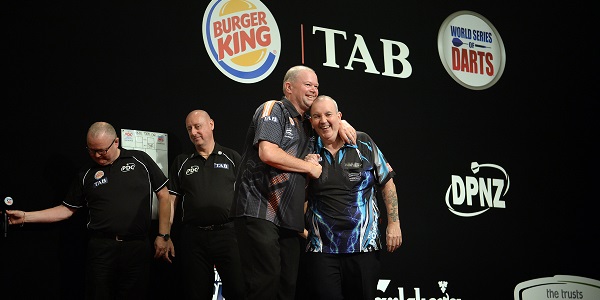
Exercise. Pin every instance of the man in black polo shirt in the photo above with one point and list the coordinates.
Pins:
(117, 189)
(203, 182)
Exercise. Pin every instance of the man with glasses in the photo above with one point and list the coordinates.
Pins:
(117, 190)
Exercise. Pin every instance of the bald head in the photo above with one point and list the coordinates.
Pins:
(99, 129)
(200, 128)
(197, 114)
(102, 143)
(325, 119)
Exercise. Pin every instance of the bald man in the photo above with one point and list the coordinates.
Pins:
(203, 183)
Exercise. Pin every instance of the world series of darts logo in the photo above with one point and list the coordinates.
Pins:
(471, 50)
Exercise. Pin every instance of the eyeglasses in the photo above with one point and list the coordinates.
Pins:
(101, 152)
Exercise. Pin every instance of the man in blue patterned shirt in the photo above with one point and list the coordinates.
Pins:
(342, 217)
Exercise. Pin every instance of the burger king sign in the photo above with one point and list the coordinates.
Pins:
(241, 38)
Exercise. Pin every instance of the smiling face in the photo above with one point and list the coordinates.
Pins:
(200, 127)
(301, 88)
(325, 118)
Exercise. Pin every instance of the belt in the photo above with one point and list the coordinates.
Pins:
(118, 237)
(215, 227)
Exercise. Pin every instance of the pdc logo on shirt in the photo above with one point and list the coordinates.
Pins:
(128, 167)
(191, 170)
(241, 38)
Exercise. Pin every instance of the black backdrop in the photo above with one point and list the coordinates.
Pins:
(143, 65)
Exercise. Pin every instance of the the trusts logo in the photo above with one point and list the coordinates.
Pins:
(241, 38)
(487, 189)
(471, 50)
(558, 287)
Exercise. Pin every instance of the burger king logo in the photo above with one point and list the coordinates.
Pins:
(242, 39)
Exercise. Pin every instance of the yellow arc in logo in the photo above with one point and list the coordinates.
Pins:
(235, 6)
(250, 58)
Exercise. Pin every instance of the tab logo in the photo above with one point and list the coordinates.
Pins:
(221, 166)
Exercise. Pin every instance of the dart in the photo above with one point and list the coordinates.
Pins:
(457, 43)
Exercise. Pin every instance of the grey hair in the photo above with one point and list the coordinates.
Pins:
(292, 74)
(100, 128)
(325, 97)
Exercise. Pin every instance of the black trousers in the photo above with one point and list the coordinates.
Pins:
(270, 257)
(348, 276)
(200, 252)
(117, 269)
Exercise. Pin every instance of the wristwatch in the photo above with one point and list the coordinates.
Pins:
(165, 236)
